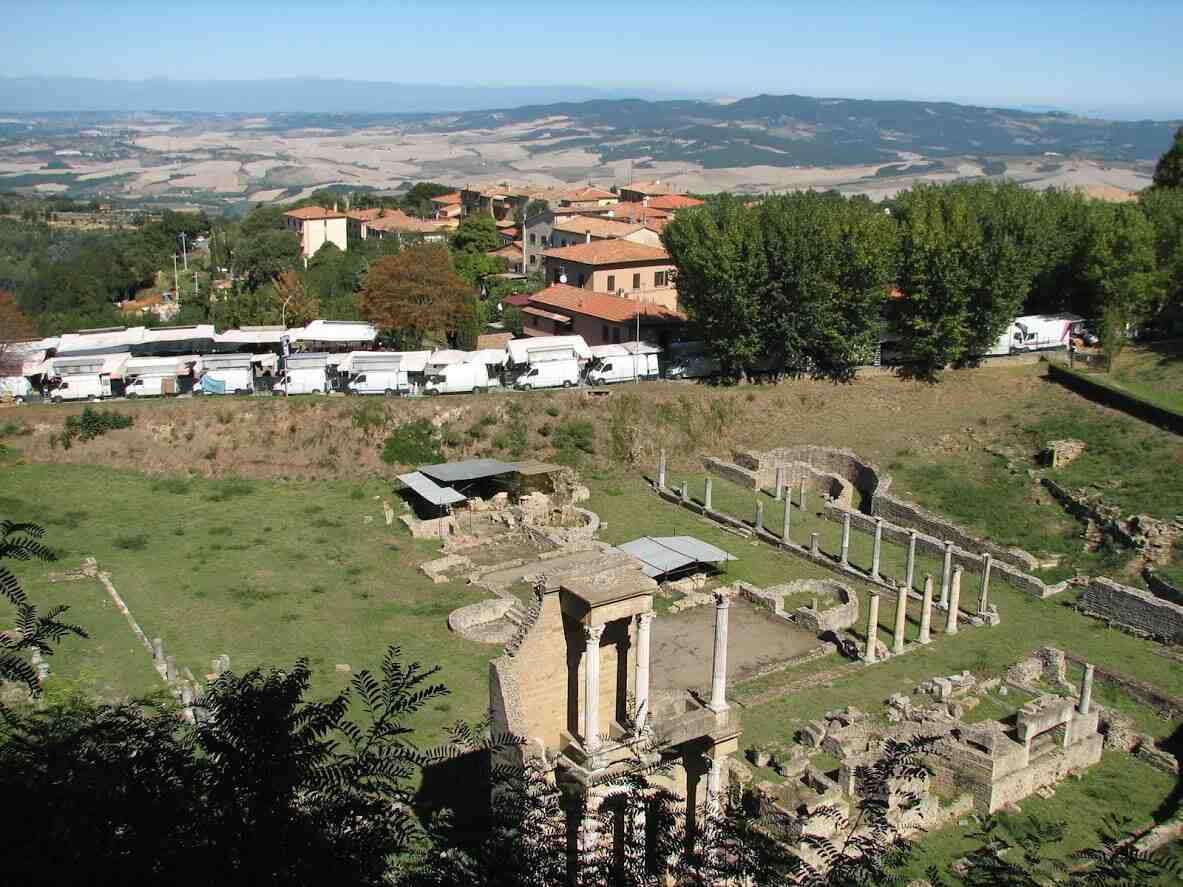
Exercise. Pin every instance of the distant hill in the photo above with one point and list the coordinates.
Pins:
(792, 130)
(46, 94)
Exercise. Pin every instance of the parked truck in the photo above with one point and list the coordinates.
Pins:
(304, 374)
(1039, 332)
(81, 386)
(18, 388)
(626, 362)
(226, 374)
(549, 374)
(457, 378)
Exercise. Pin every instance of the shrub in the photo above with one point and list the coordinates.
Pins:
(552, 411)
(133, 542)
(92, 423)
(412, 443)
(231, 488)
(178, 486)
(518, 433)
(13, 429)
(572, 438)
(544, 429)
(369, 416)
(452, 438)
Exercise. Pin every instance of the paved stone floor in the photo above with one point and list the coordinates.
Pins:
(683, 645)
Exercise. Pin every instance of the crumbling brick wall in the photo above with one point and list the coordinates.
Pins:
(1133, 609)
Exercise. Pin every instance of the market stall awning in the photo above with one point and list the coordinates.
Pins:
(660, 555)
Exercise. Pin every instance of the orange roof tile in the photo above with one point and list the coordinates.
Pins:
(609, 252)
(655, 187)
(363, 215)
(397, 220)
(598, 226)
(603, 306)
(672, 201)
(314, 212)
(447, 199)
(587, 193)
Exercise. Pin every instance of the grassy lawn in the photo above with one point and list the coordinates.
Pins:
(266, 572)
(1151, 372)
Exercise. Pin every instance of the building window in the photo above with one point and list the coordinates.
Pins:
(604, 332)
(636, 281)
(659, 278)
(533, 258)
(582, 279)
(611, 285)
(531, 238)
(616, 335)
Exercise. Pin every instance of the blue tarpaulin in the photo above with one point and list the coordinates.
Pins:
(211, 385)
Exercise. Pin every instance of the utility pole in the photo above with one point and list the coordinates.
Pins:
(176, 281)
(184, 251)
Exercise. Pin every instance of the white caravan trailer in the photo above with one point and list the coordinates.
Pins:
(226, 374)
(157, 376)
(304, 374)
(457, 378)
(626, 362)
(549, 374)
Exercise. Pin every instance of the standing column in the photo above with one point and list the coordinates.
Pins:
(910, 573)
(591, 687)
(714, 779)
(780, 482)
(946, 575)
(641, 692)
(901, 620)
(872, 627)
(926, 611)
(718, 701)
(684, 492)
(706, 495)
(846, 538)
(984, 594)
(759, 517)
(814, 549)
(801, 499)
(1086, 690)
(876, 550)
(954, 601)
(784, 533)
(661, 471)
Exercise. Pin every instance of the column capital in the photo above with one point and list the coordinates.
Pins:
(647, 617)
(722, 601)
(593, 633)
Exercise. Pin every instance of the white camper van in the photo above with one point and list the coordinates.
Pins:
(82, 386)
(156, 376)
(1038, 332)
(626, 362)
(226, 374)
(549, 374)
(304, 374)
(457, 378)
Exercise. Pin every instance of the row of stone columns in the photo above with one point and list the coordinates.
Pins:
(901, 615)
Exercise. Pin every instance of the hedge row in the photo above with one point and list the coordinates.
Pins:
(1103, 392)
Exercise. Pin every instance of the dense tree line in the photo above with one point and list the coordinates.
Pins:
(803, 281)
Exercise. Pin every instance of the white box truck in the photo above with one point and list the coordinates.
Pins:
(81, 386)
(304, 374)
(457, 378)
(18, 388)
(1038, 332)
(377, 373)
(549, 374)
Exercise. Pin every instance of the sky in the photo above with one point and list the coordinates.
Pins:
(1109, 58)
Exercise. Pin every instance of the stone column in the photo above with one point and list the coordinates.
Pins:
(1086, 690)
(872, 627)
(910, 573)
(801, 498)
(784, 533)
(780, 482)
(846, 538)
(661, 471)
(946, 575)
(926, 611)
(706, 495)
(984, 594)
(875, 551)
(718, 701)
(954, 601)
(641, 693)
(170, 669)
(901, 620)
(684, 492)
(814, 548)
(714, 779)
(158, 649)
(759, 517)
(591, 687)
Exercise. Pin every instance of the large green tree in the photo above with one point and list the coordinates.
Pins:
(1164, 210)
(476, 233)
(415, 293)
(1168, 172)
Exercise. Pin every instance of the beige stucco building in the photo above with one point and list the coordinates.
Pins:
(615, 266)
(316, 226)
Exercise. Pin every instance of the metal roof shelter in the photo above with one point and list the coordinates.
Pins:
(429, 490)
(660, 555)
(470, 469)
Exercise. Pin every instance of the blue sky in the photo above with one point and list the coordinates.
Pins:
(1107, 57)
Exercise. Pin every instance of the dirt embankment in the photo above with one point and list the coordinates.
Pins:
(341, 438)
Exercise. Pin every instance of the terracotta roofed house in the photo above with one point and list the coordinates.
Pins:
(316, 226)
(615, 266)
(601, 318)
(587, 196)
(671, 202)
(394, 224)
(638, 191)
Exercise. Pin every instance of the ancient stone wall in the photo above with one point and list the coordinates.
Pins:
(1048, 769)
(737, 474)
(1160, 588)
(1133, 609)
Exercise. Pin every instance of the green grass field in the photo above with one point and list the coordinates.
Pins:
(1151, 372)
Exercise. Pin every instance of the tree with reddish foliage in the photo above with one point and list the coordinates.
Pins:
(415, 293)
(15, 326)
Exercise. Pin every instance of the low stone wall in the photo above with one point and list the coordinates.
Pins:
(865, 477)
(1133, 609)
(1160, 588)
(1170, 707)
(466, 619)
(839, 617)
(910, 515)
(1121, 400)
(737, 474)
